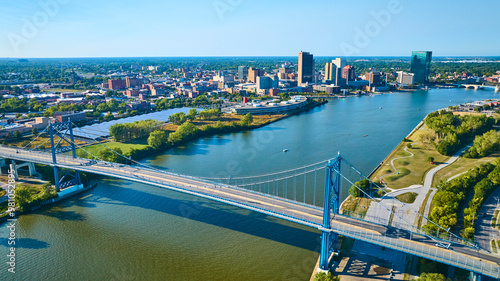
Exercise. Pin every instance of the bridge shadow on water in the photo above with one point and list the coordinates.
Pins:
(201, 210)
(62, 215)
(26, 243)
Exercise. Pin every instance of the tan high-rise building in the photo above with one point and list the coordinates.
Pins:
(306, 68)
(333, 70)
(253, 73)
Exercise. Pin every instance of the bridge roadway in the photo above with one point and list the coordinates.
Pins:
(457, 255)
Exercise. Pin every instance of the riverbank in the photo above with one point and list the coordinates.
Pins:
(49, 201)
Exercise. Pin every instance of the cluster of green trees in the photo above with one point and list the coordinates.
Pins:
(65, 107)
(451, 196)
(178, 118)
(363, 184)
(30, 196)
(432, 277)
(14, 105)
(112, 105)
(159, 140)
(201, 100)
(484, 145)
(453, 131)
(136, 130)
(210, 114)
(482, 190)
(321, 276)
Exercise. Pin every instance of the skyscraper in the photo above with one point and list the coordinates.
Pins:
(421, 66)
(333, 71)
(306, 68)
(243, 72)
(348, 73)
(253, 73)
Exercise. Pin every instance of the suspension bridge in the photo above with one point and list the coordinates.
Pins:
(309, 195)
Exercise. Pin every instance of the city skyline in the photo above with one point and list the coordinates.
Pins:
(63, 28)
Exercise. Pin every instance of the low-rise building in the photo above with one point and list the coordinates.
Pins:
(139, 106)
(405, 78)
(270, 107)
(65, 116)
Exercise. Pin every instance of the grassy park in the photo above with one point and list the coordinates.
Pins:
(460, 166)
(124, 146)
(410, 169)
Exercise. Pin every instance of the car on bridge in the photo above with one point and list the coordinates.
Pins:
(443, 245)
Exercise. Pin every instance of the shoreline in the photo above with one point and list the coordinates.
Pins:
(48, 202)
(148, 152)
(392, 151)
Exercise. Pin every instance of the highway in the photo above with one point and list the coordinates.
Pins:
(458, 255)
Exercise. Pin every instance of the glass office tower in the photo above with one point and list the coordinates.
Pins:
(421, 66)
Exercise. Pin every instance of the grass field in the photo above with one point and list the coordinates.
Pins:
(460, 166)
(124, 146)
(411, 170)
(408, 197)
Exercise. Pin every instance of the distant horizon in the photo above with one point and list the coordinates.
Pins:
(254, 56)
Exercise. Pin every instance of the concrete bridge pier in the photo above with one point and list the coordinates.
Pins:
(497, 89)
(15, 168)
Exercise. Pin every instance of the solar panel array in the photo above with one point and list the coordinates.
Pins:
(102, 129)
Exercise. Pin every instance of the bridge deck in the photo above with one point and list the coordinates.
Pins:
(458, 255)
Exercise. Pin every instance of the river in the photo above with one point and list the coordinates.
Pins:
(128, 231)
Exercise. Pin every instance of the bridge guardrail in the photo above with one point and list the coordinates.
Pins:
(423, 250)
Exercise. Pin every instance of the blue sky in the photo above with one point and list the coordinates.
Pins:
(109, 28)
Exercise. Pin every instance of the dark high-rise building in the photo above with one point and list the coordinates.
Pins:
(117, 84)
(243, 72)
(421, 66)
(348, 73)
(306, 68)
(374, 77)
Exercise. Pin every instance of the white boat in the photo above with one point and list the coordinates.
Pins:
(285, 150)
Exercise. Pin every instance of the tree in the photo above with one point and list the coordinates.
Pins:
(192, 114)
(109, 116)
(432, 277)
(17, 135)
(430, 159)
(247, 119)
(321, 276)
(357, 187)
(210, 114)
(34, 131)
(23, 196)
(156, 139)
(177, 118)
(48, 188)
(183, 133)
